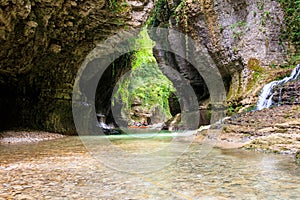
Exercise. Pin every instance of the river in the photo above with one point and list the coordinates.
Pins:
(65, 169)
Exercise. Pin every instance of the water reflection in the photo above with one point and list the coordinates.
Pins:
(65, 169)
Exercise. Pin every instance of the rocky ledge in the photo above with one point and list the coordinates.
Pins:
(11, 137)
(275, 130)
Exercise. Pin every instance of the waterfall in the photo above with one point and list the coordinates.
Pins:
(266, 95)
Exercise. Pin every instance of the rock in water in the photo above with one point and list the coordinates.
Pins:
(173, 123)
(297, 157)
(111, 131)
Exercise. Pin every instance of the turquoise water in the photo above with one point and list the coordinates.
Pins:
(66, 169)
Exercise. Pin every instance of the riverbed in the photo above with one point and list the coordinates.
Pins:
(67, 169)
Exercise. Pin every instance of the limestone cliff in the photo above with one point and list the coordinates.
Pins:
(242, 36)
(43, 43)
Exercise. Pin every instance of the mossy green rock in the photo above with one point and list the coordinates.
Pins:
(297, 157)
(43, 43)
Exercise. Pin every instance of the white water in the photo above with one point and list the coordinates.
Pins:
(266, 95)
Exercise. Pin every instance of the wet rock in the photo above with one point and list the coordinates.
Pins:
(112, 131)
(287, 94)
(173, 124)
(297, 157)
(274, 130)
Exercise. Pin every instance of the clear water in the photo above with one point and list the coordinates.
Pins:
(65, 169)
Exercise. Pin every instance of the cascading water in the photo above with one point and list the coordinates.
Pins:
(267, 93)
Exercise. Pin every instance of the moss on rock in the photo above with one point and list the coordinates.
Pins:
(297, 157)
(43, 43)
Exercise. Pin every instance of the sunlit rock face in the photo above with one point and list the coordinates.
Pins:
(43, 43)
(235, 33)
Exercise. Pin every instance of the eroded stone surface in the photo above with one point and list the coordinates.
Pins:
(43, 44)
(273, 130)
(242, 37)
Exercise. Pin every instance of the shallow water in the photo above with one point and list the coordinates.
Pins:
(65, 169)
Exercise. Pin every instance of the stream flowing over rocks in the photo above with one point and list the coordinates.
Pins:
(288, 94)
(65, 169)
(273, 127)
(44, 43)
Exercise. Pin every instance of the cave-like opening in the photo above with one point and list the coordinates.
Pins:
(137, 89)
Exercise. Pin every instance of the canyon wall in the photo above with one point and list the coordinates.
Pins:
(43, 43)
(242, 37)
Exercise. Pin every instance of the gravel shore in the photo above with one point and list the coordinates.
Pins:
(17, 137)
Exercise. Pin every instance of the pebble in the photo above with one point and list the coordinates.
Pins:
(72, 174)
(11, 137)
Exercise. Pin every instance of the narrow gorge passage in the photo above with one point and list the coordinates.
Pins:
(149, 99)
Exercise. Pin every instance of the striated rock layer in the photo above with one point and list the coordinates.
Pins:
(242, 37)
(288, 94)
(43, 43)
(275, 130)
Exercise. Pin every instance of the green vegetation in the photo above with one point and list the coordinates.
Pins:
(260, 5)
(295, 59)
(265, 15)
(239, 24)
(160, 11)
(253, 64)
(273, 65)
(180, 12)
(292, 30)
(238, 28)
(146, 83)
(163, 11)
(256, 76)
(251, 108)
(233, 109)
(221, 28)
(117, 5)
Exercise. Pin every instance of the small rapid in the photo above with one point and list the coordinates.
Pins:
(267, 93)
